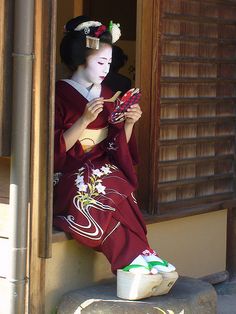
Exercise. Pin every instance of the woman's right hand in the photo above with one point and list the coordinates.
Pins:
(92, 110)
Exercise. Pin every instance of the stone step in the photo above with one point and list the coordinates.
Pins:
(188, 296)
(226, 292)
(226, 287)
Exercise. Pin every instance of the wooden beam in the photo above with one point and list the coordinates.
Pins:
(78, 7)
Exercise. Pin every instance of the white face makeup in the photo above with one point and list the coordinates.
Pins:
(97, 67)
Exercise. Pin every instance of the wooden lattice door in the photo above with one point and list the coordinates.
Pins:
(192, 105)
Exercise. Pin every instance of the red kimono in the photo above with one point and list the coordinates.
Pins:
(93, 190)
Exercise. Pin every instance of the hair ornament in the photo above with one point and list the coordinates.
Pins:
(86, 30)
(92, 38)
(92, 42)
(87, 25)
(115, 31)
(101, 29)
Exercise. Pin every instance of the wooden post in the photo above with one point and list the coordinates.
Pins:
(78, 7)
(42, 150)
(144, 42)
(231, 241)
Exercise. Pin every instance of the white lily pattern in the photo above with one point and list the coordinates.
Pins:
(87, 197)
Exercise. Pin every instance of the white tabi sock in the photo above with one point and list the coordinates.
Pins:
(156, 262)
(138, 266)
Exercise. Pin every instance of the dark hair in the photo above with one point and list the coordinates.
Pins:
(73, 48)
(119, 58)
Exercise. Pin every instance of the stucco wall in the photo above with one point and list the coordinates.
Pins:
(196, 245)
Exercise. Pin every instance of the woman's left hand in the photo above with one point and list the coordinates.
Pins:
(133, 114)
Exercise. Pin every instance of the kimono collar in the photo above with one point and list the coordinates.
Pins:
(94, 92)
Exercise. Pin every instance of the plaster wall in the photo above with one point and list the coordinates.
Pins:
(195, 245)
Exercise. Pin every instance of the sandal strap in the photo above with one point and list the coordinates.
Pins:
(157, 263)
(131, 266)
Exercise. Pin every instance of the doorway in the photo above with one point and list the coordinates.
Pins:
(103, 12)
(136, 19)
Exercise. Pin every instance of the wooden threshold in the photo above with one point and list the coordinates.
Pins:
(193, 210)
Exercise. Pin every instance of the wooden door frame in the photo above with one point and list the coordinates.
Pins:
(42, 142)
(42, 134)
(147, 68)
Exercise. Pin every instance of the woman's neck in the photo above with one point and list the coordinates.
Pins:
(79, 78)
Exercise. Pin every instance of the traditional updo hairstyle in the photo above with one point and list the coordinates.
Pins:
(74, 48)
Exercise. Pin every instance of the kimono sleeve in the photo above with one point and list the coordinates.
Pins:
(64, 160)
(59, 142)
(123, 154)
(133, 149)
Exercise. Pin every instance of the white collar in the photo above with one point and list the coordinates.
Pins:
(94, 92)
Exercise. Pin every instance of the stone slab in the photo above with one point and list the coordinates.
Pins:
(188, 296)
(227, 287)
(226, 304)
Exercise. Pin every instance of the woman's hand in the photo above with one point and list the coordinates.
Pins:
(133, 114)
(92, 110)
